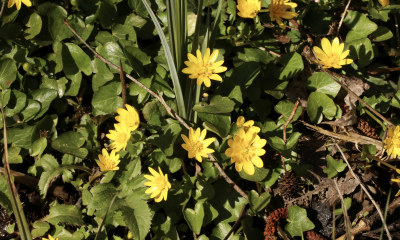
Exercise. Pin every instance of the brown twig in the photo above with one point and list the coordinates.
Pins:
(123, 86)
(241, 216)
(352, 93)
(270, 52)
(383, 70)
(343, 15)
(346, 216)
(2, 7)
(162, 101)
(289, 119)
(309, 38)
(25, 179)
(366, 192)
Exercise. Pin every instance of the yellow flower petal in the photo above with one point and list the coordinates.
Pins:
(326, 46)
(196, 144)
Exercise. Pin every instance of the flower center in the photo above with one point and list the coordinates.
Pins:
(122, 137)
(109, 164)
(159, 183)
(334, 58)
(396, 141)
(197, 147)
(206, 71)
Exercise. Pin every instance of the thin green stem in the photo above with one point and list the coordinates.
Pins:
(375, 118)
(384, 163)
(95, 177)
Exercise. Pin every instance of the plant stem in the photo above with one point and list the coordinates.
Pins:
(264, 10)
(375, 118)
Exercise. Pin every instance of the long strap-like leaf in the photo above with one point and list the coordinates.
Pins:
(23, 226)
(170, 61)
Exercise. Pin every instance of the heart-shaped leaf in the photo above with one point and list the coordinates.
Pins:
(298, 222)
(334, 166)
(195, 217)
(258, 202)
(218, 104)
(70, 143)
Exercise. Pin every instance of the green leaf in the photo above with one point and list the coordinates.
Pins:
(347, 203)
(292, 65)
(280, 145)
(298, 222)
(359, 24)
(333, 166)
(5, 97)
(20, 136)
(381, 104)
(137, 58)
(58, 30)
(107, 13)
(133, 169)
(8, 72)
(227, 202)
(362, 50)
(30, 110)
(165, 142)
(382, 34)
(258, 202)
(136, 90)
(251, 233)
(218, 123)
(4, 194)
(75, 60)
(259, 174)
(322, 83)
(44, 97)
(396, 100)
(255, 55)
(13, 155)
(167, 164)
(244, 74)
(43, 126)
(124, 32)
(139, 7)
(221, 230)
(137, 218)
(40, 228)
(204, 192)
(107, 98)
(70, 143)
(16, 103)
(285, 107)
(34, 25)
(68, 214)
(318, 105)
(38, 147)
(195, 217)
(218, 104)
(210, 213)
(112, 51)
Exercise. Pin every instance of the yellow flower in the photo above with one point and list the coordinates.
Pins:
(392, 142)
(248, 8)
(397, 180)
(277, 11)
(247, 125)
(130, 117)
(332, 55)
(18, 5)
(384, 3)
(159, 185)
(108, 162)
(120, 136)
(204, 68)
(50, 238)
(245, 151)
(196, 145)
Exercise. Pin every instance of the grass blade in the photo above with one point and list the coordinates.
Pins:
(215, 26)
(19, 214)
(171, 64)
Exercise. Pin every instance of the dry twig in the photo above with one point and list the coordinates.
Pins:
(162, 101)
(289, 119)
(123, 86)
(2, 7)
(366, 192)
(241, 216)
(345, 214)
(343, 15)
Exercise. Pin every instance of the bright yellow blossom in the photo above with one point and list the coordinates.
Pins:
(332, 55)
(159, 185)
(245, 151)
(50, 238)
(18, 3)
(240, 122)
(204, 68)
(196, 145)
(397, 180)
(384, 3)
(392, 142)
(120, 136)
(108, 162)
(248, 8)
(278, 9)
(130, 117)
